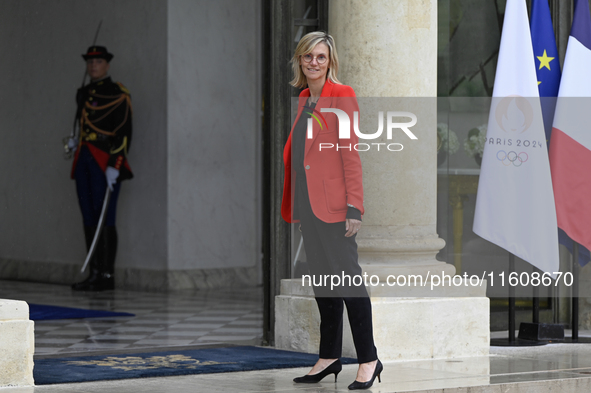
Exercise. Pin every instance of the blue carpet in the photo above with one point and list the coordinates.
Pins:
(169, 363)
(41, 312)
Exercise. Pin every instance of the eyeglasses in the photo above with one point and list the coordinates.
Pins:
(321, 59)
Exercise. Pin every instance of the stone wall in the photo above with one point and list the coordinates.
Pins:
(193, 206)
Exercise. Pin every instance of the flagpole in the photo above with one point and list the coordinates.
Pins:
(511, 301)
(536, 303)
(575, 339)
(575, 312)
(545, 332)
(511, 341)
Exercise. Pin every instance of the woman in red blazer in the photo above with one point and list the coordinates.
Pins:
(323, 191)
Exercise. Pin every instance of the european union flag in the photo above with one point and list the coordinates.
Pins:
(546, 59)
(548, 72)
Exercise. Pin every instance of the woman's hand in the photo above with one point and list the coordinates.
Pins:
(352, 226)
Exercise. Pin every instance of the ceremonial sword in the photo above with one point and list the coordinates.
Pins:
(99, 228)
(68, 154)
(67, 151)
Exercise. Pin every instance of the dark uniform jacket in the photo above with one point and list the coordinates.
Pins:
(104, 109)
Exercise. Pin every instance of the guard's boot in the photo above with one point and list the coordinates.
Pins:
(107, 270)
(93, 264)
(101, 276)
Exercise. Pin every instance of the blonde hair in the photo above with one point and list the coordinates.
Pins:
(307, 45)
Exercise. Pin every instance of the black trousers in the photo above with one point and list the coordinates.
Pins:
(91, 186)
(329, 252)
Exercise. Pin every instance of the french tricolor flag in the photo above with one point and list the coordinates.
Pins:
(570, 144)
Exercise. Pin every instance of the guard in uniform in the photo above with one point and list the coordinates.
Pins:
(104, 111)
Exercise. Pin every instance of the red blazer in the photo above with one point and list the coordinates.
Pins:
(334, 177)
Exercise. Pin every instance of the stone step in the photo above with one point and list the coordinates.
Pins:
(573, 384)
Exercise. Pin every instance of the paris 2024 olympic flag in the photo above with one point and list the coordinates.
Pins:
(515, 202)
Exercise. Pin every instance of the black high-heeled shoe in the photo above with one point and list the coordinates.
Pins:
(356, 385)
(334, 368)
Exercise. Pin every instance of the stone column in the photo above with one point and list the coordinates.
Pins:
(389, 49)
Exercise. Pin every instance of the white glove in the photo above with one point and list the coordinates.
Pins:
(72, 144)
(112, 174)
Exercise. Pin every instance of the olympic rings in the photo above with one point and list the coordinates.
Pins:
(512, 158)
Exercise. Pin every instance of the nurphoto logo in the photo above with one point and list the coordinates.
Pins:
(345, 129)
